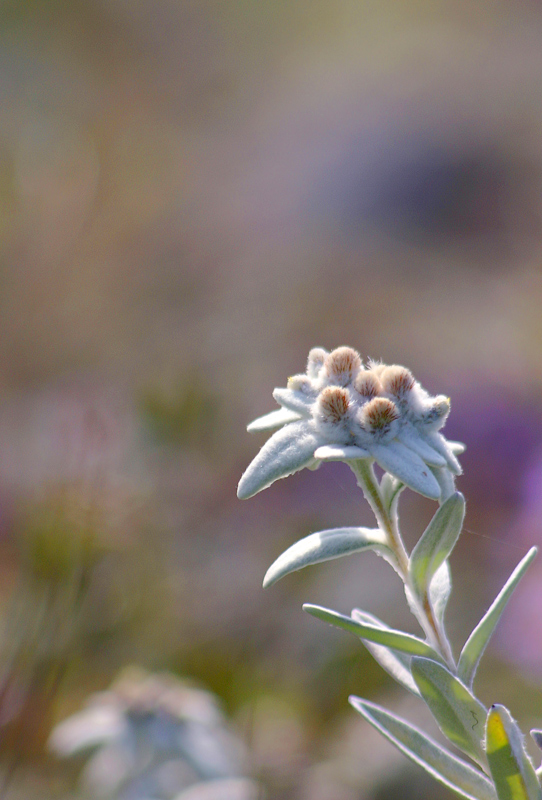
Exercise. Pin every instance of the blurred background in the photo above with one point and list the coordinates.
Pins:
(193, 194)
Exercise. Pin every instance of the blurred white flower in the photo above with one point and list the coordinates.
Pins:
(155, 736)
(339, 410)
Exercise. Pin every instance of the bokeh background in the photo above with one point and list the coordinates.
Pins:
(193, 194)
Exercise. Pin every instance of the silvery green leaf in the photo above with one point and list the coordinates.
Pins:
(287, 451)
(440, 589)
(437, 441)
(389, 638)
(275, 419)
(477, 641)
(323, 546)
(408, 467)
(511, 768)
(436, 543)
(294, 400)
(459, 715)
(390, 488)
(453, 772)
(410, 437)
(341, 453)
(396, 663)
(537, 737)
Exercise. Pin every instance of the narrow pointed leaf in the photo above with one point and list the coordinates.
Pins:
(453, 772)
(390, 489)
(446, 481)
(477, 641)
(287, 451)
(390, 638)
(437, 441)
(511, 768)
(459, 715)
(439, 593)
(407, 466)
(275, 419)
(436, 543)
(410, 437)
(396, 663)
(323, 546)
(341, 453)
(440, 589)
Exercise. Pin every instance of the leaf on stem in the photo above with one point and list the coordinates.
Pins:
(287, 451)
(324, 546)
(440, 589)
(275, 419)
(436, 543)
(511, 768)
(450, 770)
(459, 714)
(395, 662)
(476, 643)
(398, 640)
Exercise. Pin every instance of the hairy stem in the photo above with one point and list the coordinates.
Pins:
(389, 523)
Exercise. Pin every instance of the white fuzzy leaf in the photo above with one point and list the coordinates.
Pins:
(293, 400)
(287, 451)
(275, 419)
(324, 546)
(341, 453)
(437, 441)
(410, 437)
(408, 467)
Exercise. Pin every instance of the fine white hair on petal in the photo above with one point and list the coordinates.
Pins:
(380, 417)
(315, 361)
(418, 401)
(397, 381)
(287, 451)
(342, 365)
(367, 384)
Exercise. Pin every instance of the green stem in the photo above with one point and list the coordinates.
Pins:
(389, 523)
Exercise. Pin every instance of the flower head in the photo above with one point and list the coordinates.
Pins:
(339, 410)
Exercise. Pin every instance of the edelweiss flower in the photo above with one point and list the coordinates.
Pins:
(340, 410)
